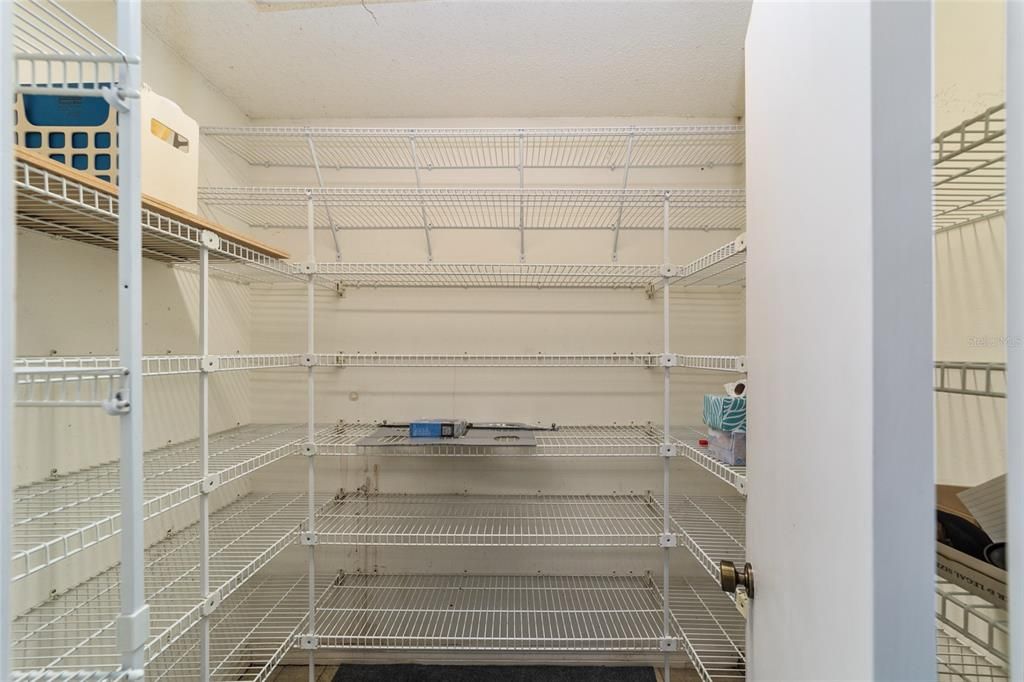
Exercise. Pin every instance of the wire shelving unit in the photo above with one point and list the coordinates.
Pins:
(492, 613)
(690, 447)
(250, 633)
(615, 148)
(969, 182)
(712, 528)
(78, 629)
(73, 208)
(68, 513)
(55, 53)
(492, 520)
(969, 170)
(205, 619)
(713, 631)
(627, 440)
(481, 209)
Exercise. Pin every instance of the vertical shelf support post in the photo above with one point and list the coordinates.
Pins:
(423, 206)
(311, 429)
(8, 263)
(133, 623)
(667, 438)
(622, 201)
(521, 161)
(320, 181)
(1015, 327)
(204, 457)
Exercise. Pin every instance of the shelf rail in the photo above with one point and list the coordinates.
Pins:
(987, 379)
(713, 363)
(55, 51)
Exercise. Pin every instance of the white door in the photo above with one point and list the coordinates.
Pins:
(840, 510)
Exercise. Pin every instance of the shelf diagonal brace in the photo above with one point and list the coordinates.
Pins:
(320, 181)
(622, 201)
(423, 205)
(520, 163)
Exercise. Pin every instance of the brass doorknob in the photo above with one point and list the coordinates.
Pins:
(733, 578)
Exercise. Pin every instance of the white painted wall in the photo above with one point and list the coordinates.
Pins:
(970, 262)
(840, 506)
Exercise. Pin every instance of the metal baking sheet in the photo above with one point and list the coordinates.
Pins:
(500, 441)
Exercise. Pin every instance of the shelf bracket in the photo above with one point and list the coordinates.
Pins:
(309, 539)
(309, 642)
(668, 360)
(320, 180)
(117, 404)
(309, 449)
(209, 363)
(622, 201)
(133, 630)
(210, 239)
(209, 484)
(668, 644)
(423, 206)
(210, 604)
(666, 540)
(668, 450)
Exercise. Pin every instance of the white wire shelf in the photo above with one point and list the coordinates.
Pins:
(41, 386)
(492, 520)
(53, 204)
(485, 148)
(690, 447)
(77, 630)
(713, 632)
(490, 275)
(726, 266)
(491, 613)
(973, 619)
(712, 528)
(53, 49)
(68, 513)
(987, 379)
(64, 381)
(485, 209)
(636, 440)
(958, 661)
(969, 170)
(250, 633)
(643, 360)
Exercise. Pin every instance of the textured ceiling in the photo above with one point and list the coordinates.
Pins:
(444, 58)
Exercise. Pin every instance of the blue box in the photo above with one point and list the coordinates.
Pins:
(437, 428)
